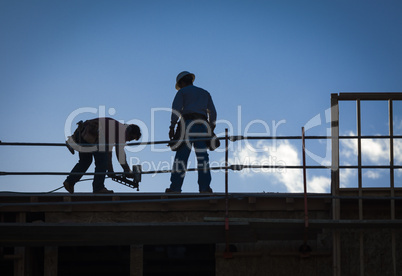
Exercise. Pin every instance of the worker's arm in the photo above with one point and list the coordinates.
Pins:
(121, 157)
(212, 113)
(177, 107)
(119, 143)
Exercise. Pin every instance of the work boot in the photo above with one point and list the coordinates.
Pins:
(68, 187)
(208, 191)
(104, 191)
(169, 191)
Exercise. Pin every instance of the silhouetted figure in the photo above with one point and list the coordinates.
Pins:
(95, 139)
(197, 114)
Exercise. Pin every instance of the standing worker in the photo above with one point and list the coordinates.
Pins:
(95, 139)
(197, 111)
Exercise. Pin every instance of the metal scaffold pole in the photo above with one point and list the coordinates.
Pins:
(227, 253)
(336, 252)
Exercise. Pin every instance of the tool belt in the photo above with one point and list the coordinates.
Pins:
(85, 136)
(195, 116)
(212, 144)
(87, 132)
(177, 138)
(179, 134)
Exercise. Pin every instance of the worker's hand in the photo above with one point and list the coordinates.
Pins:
(171, 133)
(212, 126)
(70, 148)
(129, 174)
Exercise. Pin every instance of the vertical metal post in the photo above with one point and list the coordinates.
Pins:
(136, 260)
(392, 179)
(336, 254)
(305, 183)
(20, 252)
(51, 260)
(335, 154)
(305, 249)
(227, 253)
(226, 168)
(359, 158)
(360, 182)
(391, 158)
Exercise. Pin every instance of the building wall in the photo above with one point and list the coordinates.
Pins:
(259, 239)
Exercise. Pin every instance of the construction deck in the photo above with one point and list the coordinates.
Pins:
(60, 221)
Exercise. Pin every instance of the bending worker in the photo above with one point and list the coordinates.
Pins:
(95, 139)
(197, 113)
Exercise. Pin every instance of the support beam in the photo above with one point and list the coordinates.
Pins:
(136, 260)
(370, 96)
(19, 261)
(360, 183)
(392, 180)
(81, 234)
(51, 260)
(20, 252)
(336, 243)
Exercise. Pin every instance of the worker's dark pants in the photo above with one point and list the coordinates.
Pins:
(183, 153)
(101, 165)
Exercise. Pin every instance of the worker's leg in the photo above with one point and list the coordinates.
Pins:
(85, 160)
(101, 165)
(179, 167)
(110, 169)
(201, 151)
(204, 173)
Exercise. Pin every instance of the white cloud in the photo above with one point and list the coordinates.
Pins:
(319, 184)
(376, 151)
(349, 147)
(398, 151)
(347, 176)
(373, 150)
(397, 124)
(372, 174)
(282, 153)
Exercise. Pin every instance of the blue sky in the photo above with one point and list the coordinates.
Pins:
(269, 65)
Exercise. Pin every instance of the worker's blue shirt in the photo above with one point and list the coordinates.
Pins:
(193, 99)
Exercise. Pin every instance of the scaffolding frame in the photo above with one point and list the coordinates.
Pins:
(336, 190)
(335, 177)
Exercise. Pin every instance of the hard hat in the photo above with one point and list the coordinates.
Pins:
(181, 75)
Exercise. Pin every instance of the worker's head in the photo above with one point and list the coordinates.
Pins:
(133, 132)
(184, 79)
